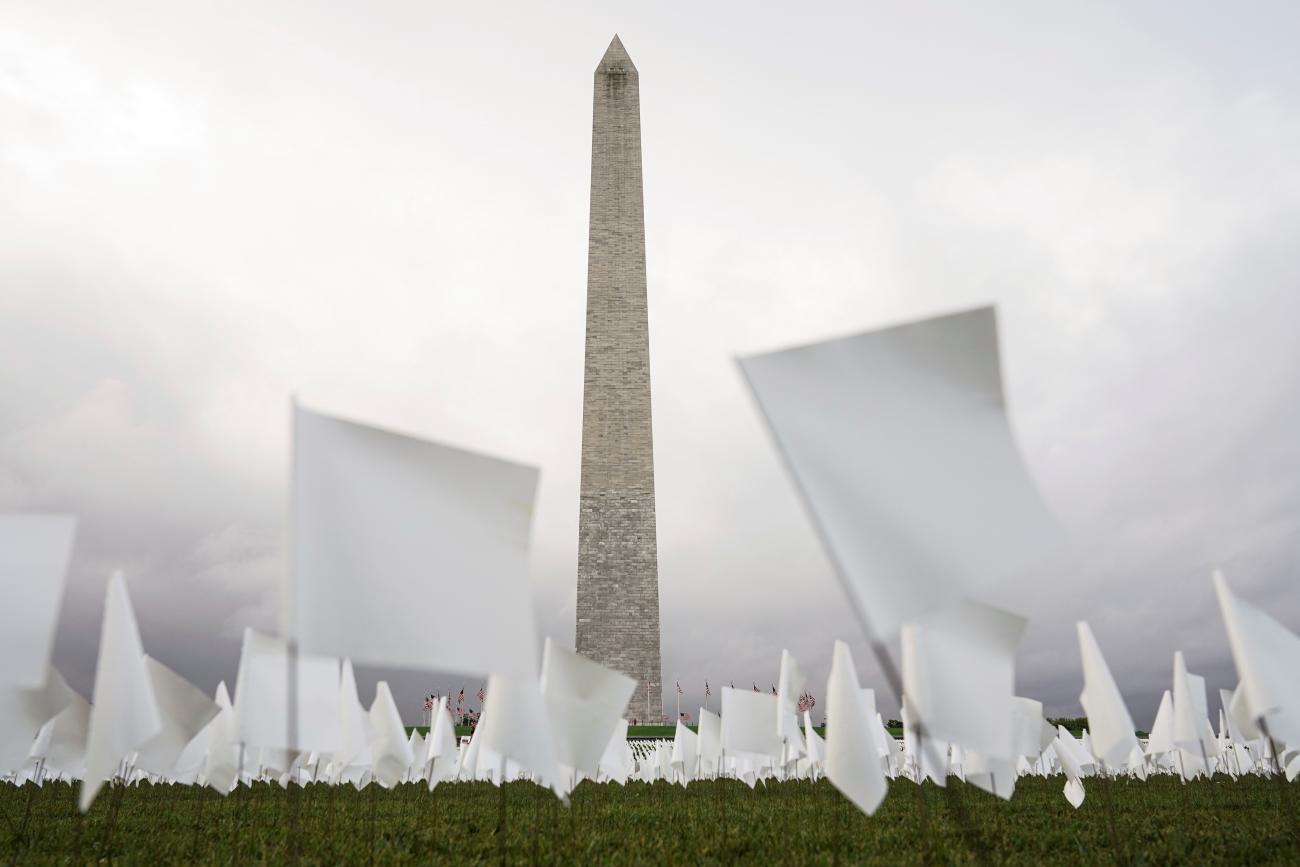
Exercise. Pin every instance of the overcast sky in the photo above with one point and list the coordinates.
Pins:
(206, 207)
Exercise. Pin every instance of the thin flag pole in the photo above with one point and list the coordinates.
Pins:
(289, 623)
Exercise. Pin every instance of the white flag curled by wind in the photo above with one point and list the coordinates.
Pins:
(380, 519)
(899, 443)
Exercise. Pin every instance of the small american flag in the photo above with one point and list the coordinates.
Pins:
(706, 688)
(807, 702)
(460, 699)
(773, 690)
(755, 687)
(480, 694)
(679, 688)
(428, 702)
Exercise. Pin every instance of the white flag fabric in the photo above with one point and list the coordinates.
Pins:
(354, 722)
(1192, 733)
(789, 686)
(442, 746)
(852, 763)
(710, 745)
(262, 696)
(816, 744)
(585, 700)
(1160, 739)
(686, 745)
(184, 710)
(959, 675)
(389, 747)
(1113, 735)
(1031, 734)
(1075, 763)
(616, 762)
(66, 751)
(34, 552)
(221, 767)
(379, 517)
(24, 711)
(1267, 656)
(124, 713)
(900, 445)
(749, 723)
(516, 726)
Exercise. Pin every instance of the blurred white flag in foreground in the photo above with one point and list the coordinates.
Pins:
(959, 676)
(24, 711)
(585, 700)
(34, 551)
(899, 443)
(380, 519)
(262, 697)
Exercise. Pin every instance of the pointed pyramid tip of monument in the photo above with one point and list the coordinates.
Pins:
(616, 58)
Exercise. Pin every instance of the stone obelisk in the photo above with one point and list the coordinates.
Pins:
(618, 563)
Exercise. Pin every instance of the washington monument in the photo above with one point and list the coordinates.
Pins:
(618, 564)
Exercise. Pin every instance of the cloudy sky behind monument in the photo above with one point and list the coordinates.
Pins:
(207, 207)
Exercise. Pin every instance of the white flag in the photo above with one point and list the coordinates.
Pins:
(262, 696)
(354, 725)
(34, 551)
(516, 726)
(389, 747)
(959, 676)
(1267, 656)
(184, 710)
(442, 746)
(23, 713)
(1192, 732)
(221, 767)
(1160, 740)
(379, 518)
(1113, 736)
(852, 763)
(685, 751)
(584, 700)
(66, 752)
(899, 443)
(124, 714)
(616, 762)
(790, 684)
(749, 723)
(710, 745)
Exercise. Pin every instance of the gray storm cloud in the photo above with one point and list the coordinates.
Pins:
(205, 210)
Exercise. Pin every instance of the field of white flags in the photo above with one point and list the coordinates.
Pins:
(899, 446)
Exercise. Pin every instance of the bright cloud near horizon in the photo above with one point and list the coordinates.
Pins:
(207, 208)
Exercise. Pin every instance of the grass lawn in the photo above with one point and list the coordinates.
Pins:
(1160, 822)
